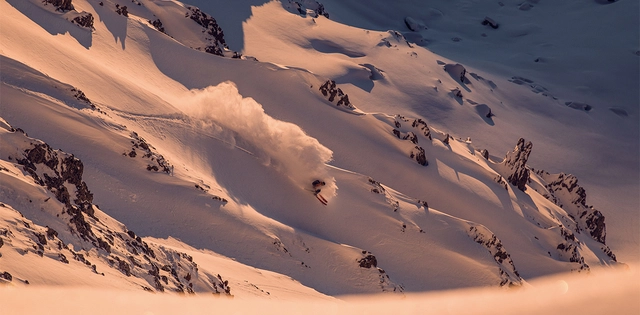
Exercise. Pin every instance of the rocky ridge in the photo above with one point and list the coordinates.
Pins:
(73, 219)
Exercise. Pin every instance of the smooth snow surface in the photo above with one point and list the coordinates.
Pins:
(613, 292)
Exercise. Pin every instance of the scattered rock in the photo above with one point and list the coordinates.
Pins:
(122, 10)
(217, 44)
(489, 21)
(61, 5)
(335, 95)
(368, 261)
(6, 276)
(311, 8)
(508, 273)
(157, 24)
(85, 20)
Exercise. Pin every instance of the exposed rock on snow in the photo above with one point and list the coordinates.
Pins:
(122, 10)
(335, 95)
(515, 162)
(79, 222)
(508, 273)
(311, 8)
(149, 152)
(217, 44)
(84, 19)
(489, 21)
(369, 261)
(6, 276)
(60, 5)
(485, 154)
(564, 191)
(417, 153)
(568, 250)
(157, 24)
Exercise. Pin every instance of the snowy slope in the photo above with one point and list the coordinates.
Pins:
(214, 155)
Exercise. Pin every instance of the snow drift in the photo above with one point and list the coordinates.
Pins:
(277, 143)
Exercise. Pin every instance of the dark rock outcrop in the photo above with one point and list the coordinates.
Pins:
(335, 95)
(422, 126)
(508, 273)
(149, 152)
(564, 191)
(215, 35)
(418, 154)
(306, 7)
(85, 20)
(77, 223)
(6, 276)
(515, 163)
(368, 261)
(61, 5)
(122, 10)
(485, 154)
(157, 24)
(489, 21)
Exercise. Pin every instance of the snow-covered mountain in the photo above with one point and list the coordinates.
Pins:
(171, 147)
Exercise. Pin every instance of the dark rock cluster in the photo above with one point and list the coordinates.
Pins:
(148, 152)
(84, 20)
(564, 191)
(515, 162)
(306, 7)
(335, 95)
(508, 273)
(157, 24)
(422, 126)
(211, 28)
(368, 260)
(569, 249)
(62, 170)
(60, 5)
(6, 276)
(417, 152)
(61, 174)
(122, 10)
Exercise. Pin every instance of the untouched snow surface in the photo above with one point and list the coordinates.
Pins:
(213, 157)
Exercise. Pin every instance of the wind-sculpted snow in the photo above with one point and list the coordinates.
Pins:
(280, 144)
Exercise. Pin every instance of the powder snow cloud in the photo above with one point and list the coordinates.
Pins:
(281, 144)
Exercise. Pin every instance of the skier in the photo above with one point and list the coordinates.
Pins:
(316, 184)
(316, 190)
